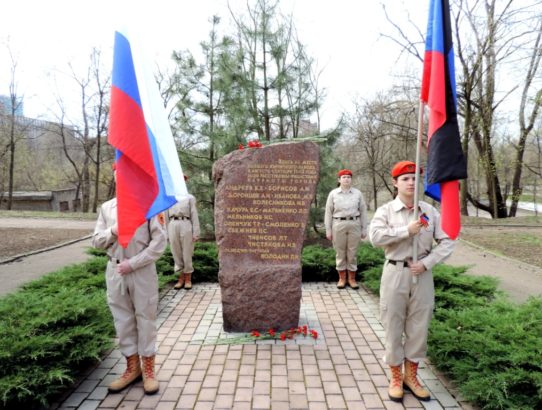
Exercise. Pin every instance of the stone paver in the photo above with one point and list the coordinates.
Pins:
(201, 367)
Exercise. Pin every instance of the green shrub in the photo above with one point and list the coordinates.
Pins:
(453, 288)
(318, 263)
(456, 290)
(205, 262)
(55, 326)
(371, 279)
(49, 330)
(493, 352)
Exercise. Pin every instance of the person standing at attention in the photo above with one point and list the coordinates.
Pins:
(132, 292)
(406, 306)
(183, 230)
(346, 225)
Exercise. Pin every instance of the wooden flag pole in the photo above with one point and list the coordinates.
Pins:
(417, 184)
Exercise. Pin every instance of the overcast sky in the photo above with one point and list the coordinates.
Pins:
(343, 35)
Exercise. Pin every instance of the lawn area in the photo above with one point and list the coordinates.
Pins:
(518, 238)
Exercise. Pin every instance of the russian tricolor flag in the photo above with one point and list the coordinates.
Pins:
(149, 174)
(445, 160)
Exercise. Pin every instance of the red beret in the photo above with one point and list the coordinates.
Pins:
(344, 172)
(404, 167)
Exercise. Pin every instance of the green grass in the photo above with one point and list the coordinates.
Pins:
(531, 239)
(529, 197)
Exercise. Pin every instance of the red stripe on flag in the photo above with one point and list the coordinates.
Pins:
(136, 177)
(449, 208)
(433, 91)
(128, 131)
(136, 191)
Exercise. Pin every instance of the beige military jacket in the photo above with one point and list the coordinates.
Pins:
(186, 207)
(389, 230)
(342, 204)
(146, 246)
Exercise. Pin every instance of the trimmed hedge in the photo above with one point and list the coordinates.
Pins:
(49, 330)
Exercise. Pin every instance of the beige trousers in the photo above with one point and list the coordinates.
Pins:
(182, 245)
(405, 309)
(133, 300)
(346, 239)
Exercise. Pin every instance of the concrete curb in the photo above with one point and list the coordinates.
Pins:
(60, 245)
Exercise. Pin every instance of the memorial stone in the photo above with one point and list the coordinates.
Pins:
(262, 203)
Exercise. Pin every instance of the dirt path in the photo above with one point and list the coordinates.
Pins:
(519, 280)
(29, 248)
(29, 268)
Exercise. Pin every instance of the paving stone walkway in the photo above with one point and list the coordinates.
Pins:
(341, 369)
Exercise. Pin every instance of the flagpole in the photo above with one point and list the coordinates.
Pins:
(417, 184)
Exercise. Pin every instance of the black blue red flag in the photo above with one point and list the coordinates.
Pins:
(445, 160)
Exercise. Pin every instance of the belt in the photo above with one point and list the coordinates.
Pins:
(115, 260)
(400, 263)
(182, 218)
(346, 218)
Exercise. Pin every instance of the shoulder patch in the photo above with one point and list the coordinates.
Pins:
(161, 218)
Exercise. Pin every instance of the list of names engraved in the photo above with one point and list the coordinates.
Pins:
(268, 208)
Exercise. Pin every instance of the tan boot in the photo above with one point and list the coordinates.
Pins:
(352, 280)
(131, 375)
(188, 281)
(342, 279)
(180, 282)
(150, 384)
(395, 391)
(411, 382)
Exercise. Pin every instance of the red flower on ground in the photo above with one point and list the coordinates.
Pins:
(255, 333)
(314, 334)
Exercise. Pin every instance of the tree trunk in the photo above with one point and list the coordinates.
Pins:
(97, 177)
(517, 189)
(464, 187)
(375, 190)
(85, 188)
(11, 161)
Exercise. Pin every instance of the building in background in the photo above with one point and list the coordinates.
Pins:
(6, 106)
(62, 200)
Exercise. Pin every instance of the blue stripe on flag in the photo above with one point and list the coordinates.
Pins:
(124, 77)
(435, 35)
(162, 200)
(433, 190)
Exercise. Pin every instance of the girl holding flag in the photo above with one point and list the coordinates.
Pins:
(406, 306)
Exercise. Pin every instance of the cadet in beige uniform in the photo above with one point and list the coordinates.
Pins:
(183, 230)
(132, 292)
(407, 307)
(346, 225)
